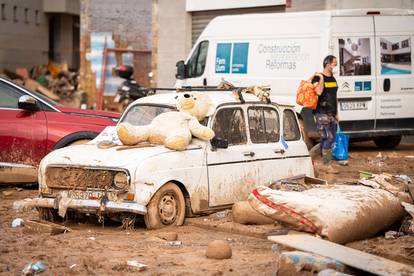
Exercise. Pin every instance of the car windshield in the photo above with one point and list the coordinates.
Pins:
(143, 114)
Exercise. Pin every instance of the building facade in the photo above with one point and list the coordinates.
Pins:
(32, 32)
(179, 23)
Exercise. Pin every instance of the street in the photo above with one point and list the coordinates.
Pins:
(95, 249)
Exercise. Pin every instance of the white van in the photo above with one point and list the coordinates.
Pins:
(374, 73)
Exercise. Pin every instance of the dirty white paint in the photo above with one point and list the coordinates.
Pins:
(211, 178)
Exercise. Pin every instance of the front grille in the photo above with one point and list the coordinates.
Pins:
(79, 178)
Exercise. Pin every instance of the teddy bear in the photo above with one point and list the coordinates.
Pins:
(173, 129)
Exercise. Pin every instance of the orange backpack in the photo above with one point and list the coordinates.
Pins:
(306, 95)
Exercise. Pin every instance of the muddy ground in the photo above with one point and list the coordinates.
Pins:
(91, 249)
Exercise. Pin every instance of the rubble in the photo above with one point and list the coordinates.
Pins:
(219, 250)
(345, 255)
(168, 236)
(53, 80)
(33, 268)
(8, 193)
(44, 227)
(242, 212)
(340, 213)
(297, 261)
(17, 222)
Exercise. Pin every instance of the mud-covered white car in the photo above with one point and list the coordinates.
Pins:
(255, 144)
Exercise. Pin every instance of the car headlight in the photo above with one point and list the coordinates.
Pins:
(121, 180)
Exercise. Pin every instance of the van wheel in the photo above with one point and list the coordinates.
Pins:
(166, 207)
(388, 142)
(309, 142)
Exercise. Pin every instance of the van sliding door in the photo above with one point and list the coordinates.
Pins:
(395, 86)
(354, 45)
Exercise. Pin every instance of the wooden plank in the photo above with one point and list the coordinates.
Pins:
(37, 226)
(351, 257)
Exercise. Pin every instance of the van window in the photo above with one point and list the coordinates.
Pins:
(263, 125)
(291, 130)
(197, 62)
(355, 56)
(229, 124)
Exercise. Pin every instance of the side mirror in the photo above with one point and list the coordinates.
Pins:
(181, 70)
(28, 103)
(219, 143)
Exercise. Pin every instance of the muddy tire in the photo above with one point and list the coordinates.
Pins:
(166, 207)
(49, 215)
(388, 142)
(309, 142)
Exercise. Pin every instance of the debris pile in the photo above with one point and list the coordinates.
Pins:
(53, 80)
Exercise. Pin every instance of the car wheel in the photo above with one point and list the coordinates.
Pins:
(388, 142)
(166, 207)
(79, 142)
(308, 141)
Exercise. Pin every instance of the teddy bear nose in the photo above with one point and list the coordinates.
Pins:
(186, 95)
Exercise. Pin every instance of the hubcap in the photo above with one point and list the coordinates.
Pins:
(167, 209)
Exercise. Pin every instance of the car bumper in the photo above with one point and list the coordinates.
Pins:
(88, 205)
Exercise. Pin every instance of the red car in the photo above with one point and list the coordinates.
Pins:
(32, 125)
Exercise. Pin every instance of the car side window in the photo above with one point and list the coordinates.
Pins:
(263, 125)
(9, 97)
(229, 124)
(197, 62)
(291, 130)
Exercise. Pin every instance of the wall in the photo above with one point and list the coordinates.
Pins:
(129, 22)
(63, 44)
(23, 44)
(173, 40)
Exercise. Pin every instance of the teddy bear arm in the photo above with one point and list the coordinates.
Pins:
(178, 139)
(131, 135)
(200, 131)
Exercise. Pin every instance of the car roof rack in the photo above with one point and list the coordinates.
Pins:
(237, 91)
(194, 88)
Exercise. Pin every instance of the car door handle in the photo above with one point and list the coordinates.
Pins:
(248, 153)
(282, 151)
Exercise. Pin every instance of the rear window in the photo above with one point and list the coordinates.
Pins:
(143, 114)
(291, 130)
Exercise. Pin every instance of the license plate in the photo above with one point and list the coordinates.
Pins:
(354, 106)
(84, 194)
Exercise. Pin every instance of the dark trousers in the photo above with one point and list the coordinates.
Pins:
(326, 125)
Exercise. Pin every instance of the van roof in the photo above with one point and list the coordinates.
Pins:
(285, 23)
(217, 97)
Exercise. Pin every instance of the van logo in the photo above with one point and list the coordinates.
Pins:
(346, 87)
(232, 58)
